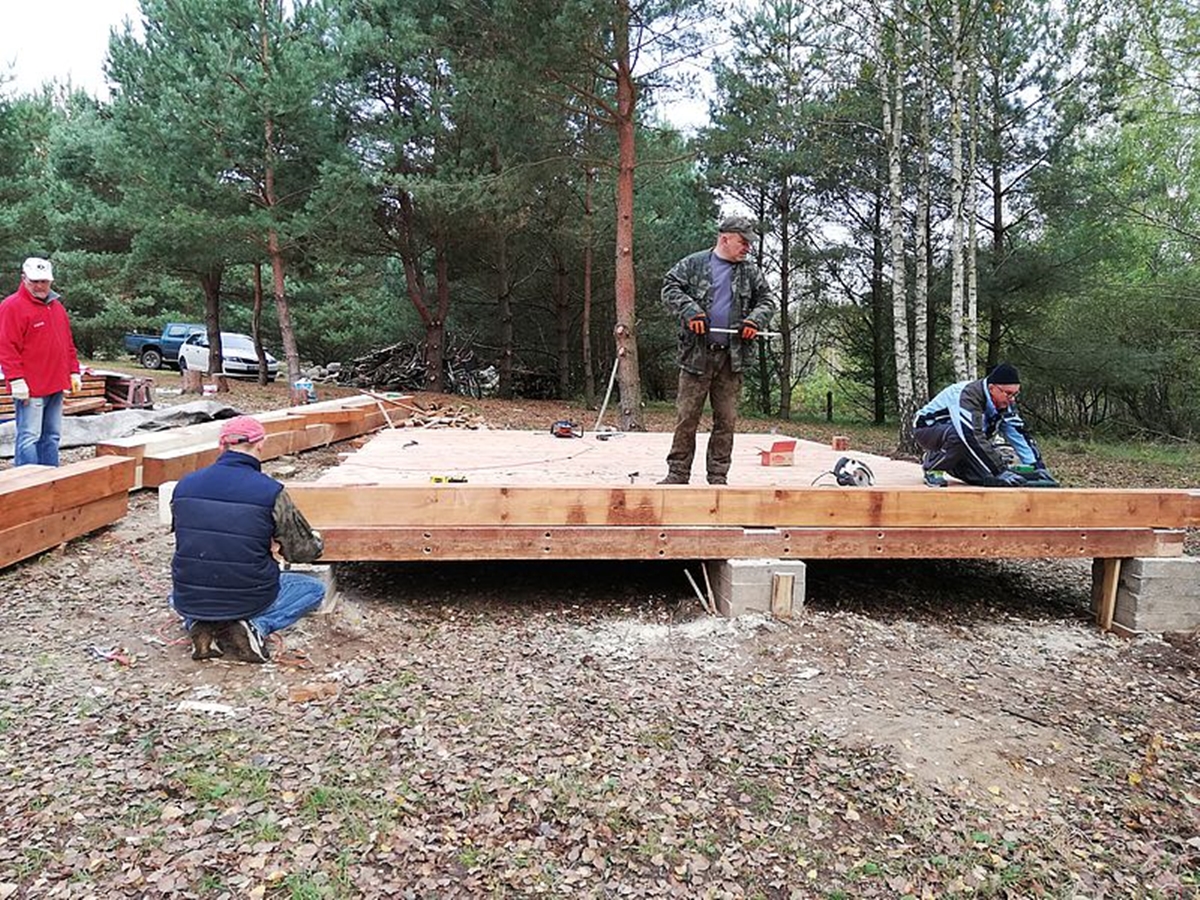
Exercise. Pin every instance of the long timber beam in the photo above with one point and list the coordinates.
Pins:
(458, 505)
(520, 542)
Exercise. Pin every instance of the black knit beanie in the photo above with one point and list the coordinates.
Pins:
(1004, 373)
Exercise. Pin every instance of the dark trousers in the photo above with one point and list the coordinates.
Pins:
(946, 452)
(723, 386)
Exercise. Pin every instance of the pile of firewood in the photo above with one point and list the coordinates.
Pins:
(407, 414)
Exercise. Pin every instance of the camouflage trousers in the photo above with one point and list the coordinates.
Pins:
(723, 386)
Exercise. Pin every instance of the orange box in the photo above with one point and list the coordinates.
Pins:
(782, 453)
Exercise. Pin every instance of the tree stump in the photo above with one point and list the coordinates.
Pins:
(222, 382)
(192, 381)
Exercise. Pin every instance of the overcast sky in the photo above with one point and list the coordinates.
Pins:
(44, 40)
(41, 40)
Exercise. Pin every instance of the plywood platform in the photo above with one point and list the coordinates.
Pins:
(529, 495)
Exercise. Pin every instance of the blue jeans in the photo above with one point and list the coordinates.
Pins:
(39, 427)
(298, 596)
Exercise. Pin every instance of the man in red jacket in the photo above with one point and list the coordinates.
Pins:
(37, 355)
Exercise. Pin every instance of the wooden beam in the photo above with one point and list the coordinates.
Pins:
(457, 505)
(346, 543)
(26, 497)
(783, 588)
(1109, 585)
(36, 535)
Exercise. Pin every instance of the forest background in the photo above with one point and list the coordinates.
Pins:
(941, 185)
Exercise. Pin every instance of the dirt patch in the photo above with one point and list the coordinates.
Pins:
(582, 729)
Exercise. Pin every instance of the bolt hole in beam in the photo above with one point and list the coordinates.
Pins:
(427, 550)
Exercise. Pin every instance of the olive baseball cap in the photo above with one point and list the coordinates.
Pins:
(743, 225)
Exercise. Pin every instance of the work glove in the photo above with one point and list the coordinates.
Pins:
(76, 382)
(20, 390)
(749, 330)
(698, 324)
(1009, 478)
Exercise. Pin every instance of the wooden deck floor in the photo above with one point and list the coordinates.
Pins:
(408, 456)
(529, 495)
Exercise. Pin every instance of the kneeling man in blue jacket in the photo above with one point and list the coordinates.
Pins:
(226, 583)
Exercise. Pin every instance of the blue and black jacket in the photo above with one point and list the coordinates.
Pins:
(968, 407)
(224, 523)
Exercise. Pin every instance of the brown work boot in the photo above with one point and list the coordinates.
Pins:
(241, 642)
(675, 479)
(203, 644)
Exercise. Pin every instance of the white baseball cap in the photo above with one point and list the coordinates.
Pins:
(37, 269)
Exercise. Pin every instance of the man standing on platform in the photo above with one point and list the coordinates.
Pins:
(722, 302)
(955, 429)
(37, 355)
(226, 584)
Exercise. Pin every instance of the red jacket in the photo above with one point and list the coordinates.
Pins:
(36, 344)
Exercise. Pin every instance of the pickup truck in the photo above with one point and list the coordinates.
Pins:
(155, 350)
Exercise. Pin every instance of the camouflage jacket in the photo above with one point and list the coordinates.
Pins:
(687, 292)
(297, 540)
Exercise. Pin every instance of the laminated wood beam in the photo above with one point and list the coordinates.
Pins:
(42, 533)
(495, 543)
(25, 497)
(459, 505)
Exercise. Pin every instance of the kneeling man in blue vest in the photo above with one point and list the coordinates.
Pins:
(226, 583)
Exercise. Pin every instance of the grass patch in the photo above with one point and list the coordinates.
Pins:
(236, 782)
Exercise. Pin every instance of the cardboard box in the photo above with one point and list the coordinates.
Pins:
(782, 453)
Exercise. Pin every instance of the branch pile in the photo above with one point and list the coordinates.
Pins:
(399, 367)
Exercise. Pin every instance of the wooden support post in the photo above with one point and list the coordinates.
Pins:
(783, 586)
(1108, 594)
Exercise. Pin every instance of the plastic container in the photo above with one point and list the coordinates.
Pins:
(306, 385)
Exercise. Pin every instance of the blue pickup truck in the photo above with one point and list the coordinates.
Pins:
(156, 350)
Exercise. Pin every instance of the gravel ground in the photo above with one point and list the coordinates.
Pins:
(922, 729)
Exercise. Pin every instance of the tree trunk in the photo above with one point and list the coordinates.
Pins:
(274, 250)
(210, 282)
(878, 313)
(282, 312)
(996, 177)
(921, 386)
(256, 324)
(414, 281)
(435, 328)
(505, 313)
(892, 89)
(971, 269)
(589, 370)
(628, 376)
(562, 325)
(785, 285)
(504, 309)
(958, 348)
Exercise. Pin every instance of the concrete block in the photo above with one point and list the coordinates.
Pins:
(1155, 593)
(744, 585)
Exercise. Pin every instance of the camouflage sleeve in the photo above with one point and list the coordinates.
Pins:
(298, 542)
(764, 300)
(676, 295)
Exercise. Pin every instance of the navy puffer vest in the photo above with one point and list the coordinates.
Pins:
(223, 568)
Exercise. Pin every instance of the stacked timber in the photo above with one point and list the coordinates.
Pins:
(90, 398)
(42, 506)
(163, 456)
